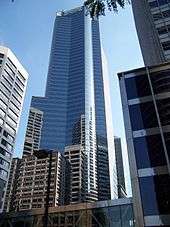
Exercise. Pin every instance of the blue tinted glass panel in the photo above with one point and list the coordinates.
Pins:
(137, 87)
(149, 151)
(143, 116)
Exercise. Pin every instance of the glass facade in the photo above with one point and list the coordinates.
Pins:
(146, 102)
(74, 102)
(105, 214)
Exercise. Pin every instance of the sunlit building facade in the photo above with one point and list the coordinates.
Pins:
(13, 81)
(33, 131)
(76, 103)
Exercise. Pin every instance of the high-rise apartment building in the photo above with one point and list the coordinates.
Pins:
(13, 80)
(76, 106)
(75, 154)
(146, 106)
(41, 181)
(120, 168)
(33, 131)
(152, 18)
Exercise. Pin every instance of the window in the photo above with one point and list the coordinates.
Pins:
(5, 89)
(3, 173)
(160, 81)
(14, 107)
(11, 121)
(166, 45)
(143, 116)
(8, 136)
(164, 111)
(20, 76)
(18, 88)
(3, 104)
(17, 93)
(162, 15)
(155, 194)
(9, 128)
(149, 151)
(4, 97)
(1, 121)
(13, 115)
(1, 55)
(19, 82)
(9, 70)
(7, 82)
(11, 63)
(6, 144)
(137, 87)
(5, 153)
(2, 113)
(157, 3)
(163, 30)
(4, 163)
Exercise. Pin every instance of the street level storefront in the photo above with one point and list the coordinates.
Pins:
(117, 213)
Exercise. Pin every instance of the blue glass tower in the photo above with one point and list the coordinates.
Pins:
(74, 104)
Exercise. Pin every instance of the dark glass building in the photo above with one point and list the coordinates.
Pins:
(146, 106)
(74, 105)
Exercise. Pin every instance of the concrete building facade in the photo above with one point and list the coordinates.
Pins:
(13, 81)
(40, 182)
(75, 154)
(12, 184)
(152, 19)
(33, 131)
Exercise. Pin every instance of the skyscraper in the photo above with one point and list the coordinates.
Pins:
(76, 106)
(120, 168)
(146, 107)
(13, 80)
(152, 18)
(33, 131)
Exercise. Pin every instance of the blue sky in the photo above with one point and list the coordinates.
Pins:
(26, 28)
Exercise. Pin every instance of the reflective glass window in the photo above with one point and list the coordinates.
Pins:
(143, 116)
(161, 80)
(155, 194)
(149, 151)
(137, 87)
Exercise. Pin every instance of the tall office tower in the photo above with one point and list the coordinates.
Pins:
(152, 18)
(120, 168)
(12, 185)
(76, 91)
(41, 181)
(13, 80)
(146, 105)
(33, 131)
(76, 156)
